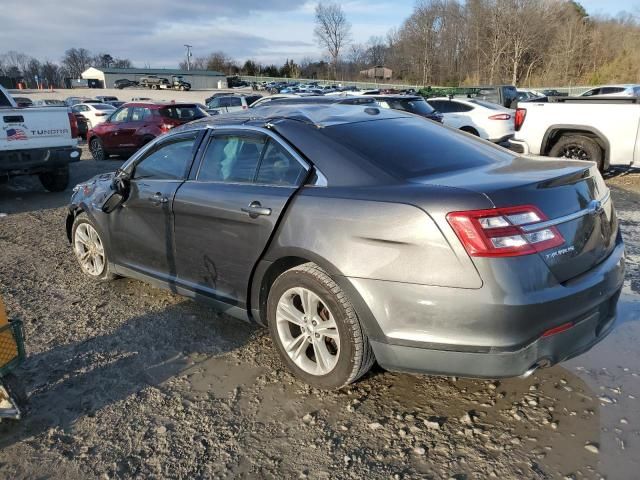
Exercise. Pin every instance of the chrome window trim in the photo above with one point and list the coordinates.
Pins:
(593, 208)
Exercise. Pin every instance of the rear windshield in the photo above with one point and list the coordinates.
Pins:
(98, 106)
(413, 147)
(414, 105)
(182, 112)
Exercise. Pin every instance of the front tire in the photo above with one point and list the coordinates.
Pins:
(89, 249)
(55, 180)
(316, 330)
(97, 150)
(578, 147)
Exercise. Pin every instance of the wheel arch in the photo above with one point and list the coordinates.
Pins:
(555, 132)
(267, 271)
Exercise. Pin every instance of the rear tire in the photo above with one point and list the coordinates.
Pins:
(578, 147)
(55, 180)
(332, 353)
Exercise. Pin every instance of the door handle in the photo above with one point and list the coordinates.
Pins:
(158, 199)
(255, 209)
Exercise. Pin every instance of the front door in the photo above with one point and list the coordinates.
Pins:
(142, 228)
(226, 212)
(112, 127)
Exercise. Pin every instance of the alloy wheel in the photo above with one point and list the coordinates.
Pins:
(308, 331)
(89, 250)
(97, 151)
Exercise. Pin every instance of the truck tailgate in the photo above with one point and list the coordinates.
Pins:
(33, 128)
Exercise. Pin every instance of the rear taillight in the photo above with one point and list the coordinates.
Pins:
(498, 232)
(165, 127)
(521, 113)
(244, 107)
(73, 123)
(500, 116)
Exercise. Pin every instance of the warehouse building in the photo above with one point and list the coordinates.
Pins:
(199, 79)
(378, 72)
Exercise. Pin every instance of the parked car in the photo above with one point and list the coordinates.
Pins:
(553, 93)
(71, 101)
(478, 117)
(154, 82)
(505, 95)
(136, 124)
(124, 83)
(115, 103)
(106, 98)
(37, 141)
(177, 83)
(82, 124)
(95, 113)
(603, 130)
(409, 103)
(49, 103)
(355, 240)
(230, 103)
(23, 102)
(613, 91)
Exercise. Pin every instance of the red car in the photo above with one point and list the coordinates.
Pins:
(136, 124)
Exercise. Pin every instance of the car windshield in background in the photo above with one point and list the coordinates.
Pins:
(416, 105)
(182, 112)
(410, 148)
(482, 103)
(102, 107)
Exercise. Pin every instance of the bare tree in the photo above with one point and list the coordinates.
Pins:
(76, 61)
(333, 31)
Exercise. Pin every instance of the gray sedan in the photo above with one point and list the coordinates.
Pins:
(359, 234)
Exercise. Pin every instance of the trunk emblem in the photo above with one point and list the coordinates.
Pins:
(562, 251)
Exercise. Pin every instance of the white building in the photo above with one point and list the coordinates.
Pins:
(199, 79)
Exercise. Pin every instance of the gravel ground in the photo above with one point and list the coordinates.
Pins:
(126, 381)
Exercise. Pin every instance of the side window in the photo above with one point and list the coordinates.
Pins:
(235, 102)
(278, 167)
(140, 113)
(590, 93)
(461, 107)
(75, 109)
(443, 106)
(231, 158)
(610, 90)
(169, 161)
(120, 115)
(215, 103)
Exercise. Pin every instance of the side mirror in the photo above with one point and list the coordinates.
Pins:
(118, 194)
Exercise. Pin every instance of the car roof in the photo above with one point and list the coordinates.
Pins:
(157, 104)
(395, 96)
(319, 115)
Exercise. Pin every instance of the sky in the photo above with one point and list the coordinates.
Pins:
(154, 33)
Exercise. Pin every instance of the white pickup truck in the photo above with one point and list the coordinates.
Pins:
(602, 130)
(37, 141)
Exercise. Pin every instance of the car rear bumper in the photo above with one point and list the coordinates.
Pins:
(543, 352)
(476, 333)
(37, 160)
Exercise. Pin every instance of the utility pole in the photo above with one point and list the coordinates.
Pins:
(188, 56)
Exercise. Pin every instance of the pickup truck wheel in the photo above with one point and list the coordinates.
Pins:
(316, 330)
(90, 250)
(578, 147)
(97, 150)
(55, 180)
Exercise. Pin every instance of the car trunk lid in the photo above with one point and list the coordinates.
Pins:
(571, 194)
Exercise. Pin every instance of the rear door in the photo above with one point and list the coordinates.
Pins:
(226, 212)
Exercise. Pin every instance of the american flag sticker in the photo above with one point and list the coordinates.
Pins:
(16, 134)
